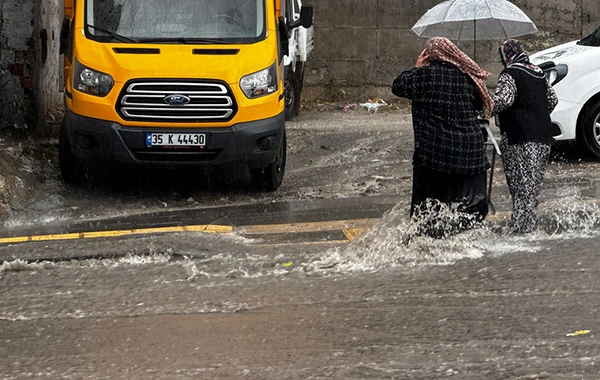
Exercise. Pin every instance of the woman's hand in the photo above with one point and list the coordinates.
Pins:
(423, 59)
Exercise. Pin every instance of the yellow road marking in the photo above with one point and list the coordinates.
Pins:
(115, 233)
(54, 237)
(18, 239)
(498, 216)
(351, 229)
(352, 233)
(321, 242)
(331, 225)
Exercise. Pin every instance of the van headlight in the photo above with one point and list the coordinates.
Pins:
(260, 83)
(90, 81)
(557, 73)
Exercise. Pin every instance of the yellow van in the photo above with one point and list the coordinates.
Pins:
(178, 83)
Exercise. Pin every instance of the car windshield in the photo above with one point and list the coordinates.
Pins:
(591, 40)
(176, 21)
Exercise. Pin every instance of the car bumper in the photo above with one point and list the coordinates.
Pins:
(565, 116)
(93, 141)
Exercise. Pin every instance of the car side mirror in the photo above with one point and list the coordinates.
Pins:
(306, 17)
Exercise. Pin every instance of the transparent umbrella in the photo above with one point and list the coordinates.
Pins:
(461, 20)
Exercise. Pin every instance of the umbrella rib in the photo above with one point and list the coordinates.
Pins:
(489, 8)
(450, 2)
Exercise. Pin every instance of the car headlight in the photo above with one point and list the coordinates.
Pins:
(260, 83)
(92, 82)
(556, 73)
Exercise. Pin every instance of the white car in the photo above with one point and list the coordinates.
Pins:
(574, 71)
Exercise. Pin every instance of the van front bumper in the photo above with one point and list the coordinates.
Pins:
(254, 144)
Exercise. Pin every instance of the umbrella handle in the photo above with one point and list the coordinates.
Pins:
(475, 40)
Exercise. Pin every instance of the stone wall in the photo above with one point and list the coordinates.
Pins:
(29, 62)
(47, 76)
(360, 46)
(16, 63)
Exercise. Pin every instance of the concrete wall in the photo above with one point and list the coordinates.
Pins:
(360, 46)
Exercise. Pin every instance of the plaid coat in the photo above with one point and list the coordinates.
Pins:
(448, 137)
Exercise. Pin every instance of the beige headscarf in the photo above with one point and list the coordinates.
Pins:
(442, 49)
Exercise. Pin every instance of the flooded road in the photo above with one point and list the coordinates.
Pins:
(476, 305)
(236, 305)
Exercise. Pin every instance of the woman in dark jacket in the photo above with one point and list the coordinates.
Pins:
(447, 91)
(523, 102)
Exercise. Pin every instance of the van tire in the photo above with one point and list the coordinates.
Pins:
(590, 129)
(292, 87)
(70, 169)
(271, 177)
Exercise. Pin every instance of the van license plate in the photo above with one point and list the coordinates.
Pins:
(175, 139)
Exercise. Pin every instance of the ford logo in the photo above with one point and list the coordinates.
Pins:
(177, 99)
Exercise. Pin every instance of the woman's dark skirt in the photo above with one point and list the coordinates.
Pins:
(466, 194)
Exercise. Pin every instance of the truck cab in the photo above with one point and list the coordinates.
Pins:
(183, 83)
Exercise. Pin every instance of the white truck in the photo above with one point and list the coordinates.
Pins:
(301, 43)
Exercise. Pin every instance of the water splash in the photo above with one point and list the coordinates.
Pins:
(18, 265)
(396, 241)
(568, 215)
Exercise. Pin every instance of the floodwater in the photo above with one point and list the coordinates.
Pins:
(389, 305)
(482, 304)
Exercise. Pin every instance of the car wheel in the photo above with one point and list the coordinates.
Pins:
(70, 169)
(291, 93)
(590, 129)
(271, 177)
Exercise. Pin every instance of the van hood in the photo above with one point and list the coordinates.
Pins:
(561, 53)
(223, 62)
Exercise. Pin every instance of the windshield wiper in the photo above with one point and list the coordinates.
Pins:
(183, 40)
(114, 35)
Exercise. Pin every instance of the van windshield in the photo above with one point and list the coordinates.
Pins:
(591, 40)
(175, 21)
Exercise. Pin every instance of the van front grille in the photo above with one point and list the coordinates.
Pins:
(176, 101)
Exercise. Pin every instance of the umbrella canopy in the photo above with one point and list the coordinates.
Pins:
(472, 19)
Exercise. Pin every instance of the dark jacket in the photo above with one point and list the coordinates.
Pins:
(448, 136)
(528, 119)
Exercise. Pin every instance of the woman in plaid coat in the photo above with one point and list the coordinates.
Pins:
(448, 93)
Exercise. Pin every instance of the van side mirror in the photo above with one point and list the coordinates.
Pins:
(306, 17)
(65, 38)
(284, 34)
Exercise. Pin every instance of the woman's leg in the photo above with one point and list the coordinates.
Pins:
(524, 167)
(535, 158)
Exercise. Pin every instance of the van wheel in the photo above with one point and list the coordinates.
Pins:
(590, 129)
(70, 169)
(271, 177)
(292, 93)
